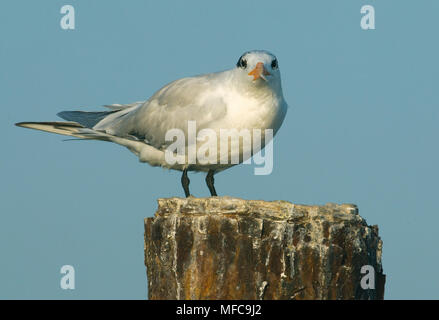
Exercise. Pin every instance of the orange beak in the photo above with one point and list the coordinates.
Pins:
(259, 72)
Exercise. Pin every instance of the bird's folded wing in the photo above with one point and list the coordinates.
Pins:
(196, 99)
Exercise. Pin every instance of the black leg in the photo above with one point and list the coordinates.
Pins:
(210, 183)
(185, 183)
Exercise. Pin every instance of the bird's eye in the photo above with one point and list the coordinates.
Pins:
(242, 63)
(274, 64)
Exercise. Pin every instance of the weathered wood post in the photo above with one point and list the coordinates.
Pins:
(229, 248)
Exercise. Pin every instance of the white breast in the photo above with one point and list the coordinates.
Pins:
(246, 113)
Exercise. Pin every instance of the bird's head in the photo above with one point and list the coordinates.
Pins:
(259, 68)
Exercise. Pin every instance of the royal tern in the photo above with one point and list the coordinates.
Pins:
(247, 97)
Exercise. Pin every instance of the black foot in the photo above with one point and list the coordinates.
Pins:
(185, 183)
(210, 183)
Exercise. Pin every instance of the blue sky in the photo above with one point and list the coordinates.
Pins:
(362, 128)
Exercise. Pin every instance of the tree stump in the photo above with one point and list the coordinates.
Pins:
(229, 248)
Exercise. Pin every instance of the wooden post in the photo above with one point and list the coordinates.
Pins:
(229, 248)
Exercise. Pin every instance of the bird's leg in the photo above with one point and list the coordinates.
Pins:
(210, 183)
(185, 183)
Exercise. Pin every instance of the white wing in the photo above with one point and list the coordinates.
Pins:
(198, 98)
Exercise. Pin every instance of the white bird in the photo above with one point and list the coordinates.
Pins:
(248, 97)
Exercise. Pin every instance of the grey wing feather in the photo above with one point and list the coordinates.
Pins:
(90, 119)
(87, 119)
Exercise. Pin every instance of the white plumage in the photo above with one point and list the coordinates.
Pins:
(248, 96)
